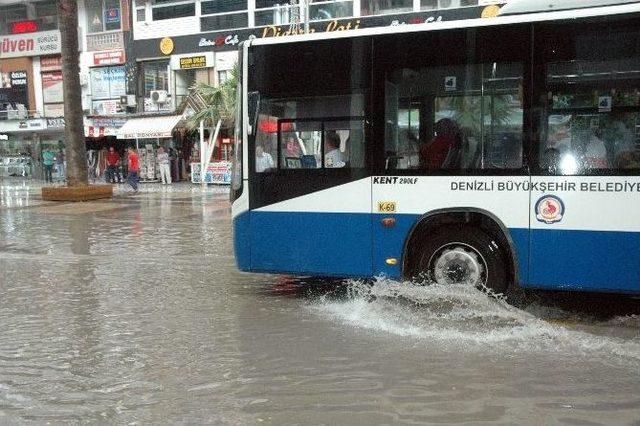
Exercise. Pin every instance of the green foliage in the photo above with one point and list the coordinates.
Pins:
(220, 102)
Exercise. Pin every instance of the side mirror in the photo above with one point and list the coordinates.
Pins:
(253, 101)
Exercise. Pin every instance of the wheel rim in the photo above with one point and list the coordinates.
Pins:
(458, 263)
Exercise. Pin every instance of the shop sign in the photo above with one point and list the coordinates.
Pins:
(21, 27)
(185, 62)
(55, 122)
(13, 89)
(32, 44)
(52, 87)
(4, 137)
(112, 15)
(217, 172)
(193, 62)
(107, 107)
(108, 122)
(111, 57)
(50, 63)
(166, 45)
(18, 78)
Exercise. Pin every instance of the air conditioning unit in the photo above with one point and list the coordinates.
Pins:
(159, 96)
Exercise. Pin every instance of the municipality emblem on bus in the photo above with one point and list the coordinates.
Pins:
(549, 209)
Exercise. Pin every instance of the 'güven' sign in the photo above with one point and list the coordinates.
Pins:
(33, 44)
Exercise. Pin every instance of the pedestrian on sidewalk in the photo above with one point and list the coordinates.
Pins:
(134, 168)
(62, 175)
(163, 164)
(113, 158)
(48, 160)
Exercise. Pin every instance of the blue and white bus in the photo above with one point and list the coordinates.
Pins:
(497, 151)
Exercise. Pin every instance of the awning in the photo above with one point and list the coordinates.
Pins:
(149, 127)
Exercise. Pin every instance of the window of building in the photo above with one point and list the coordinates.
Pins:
(592, 87)
(446, 4)
(103, 15)
(274, 12)
(155, 78)
(224, 21)
(224, 14)
(223, 76)
(47, 16)
(377, 7)
(108, 84)
(141, 15)
(170, 9)
(222, 6)
(10, 14)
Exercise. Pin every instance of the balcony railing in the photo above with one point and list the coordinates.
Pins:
(105, 41)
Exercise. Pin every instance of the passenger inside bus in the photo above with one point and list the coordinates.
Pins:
(333, 157)
(264, 160)
(445, 149)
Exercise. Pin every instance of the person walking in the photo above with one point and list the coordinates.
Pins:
(163, 164)
(113, 158)
(62, 175)
(48, 160)
(134, 168)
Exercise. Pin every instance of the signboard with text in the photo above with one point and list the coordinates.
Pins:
(111, 57)
(31, 44)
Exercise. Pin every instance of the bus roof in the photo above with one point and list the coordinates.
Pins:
(618, 9)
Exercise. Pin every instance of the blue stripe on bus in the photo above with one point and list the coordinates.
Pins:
(585, 260)
(357, 245)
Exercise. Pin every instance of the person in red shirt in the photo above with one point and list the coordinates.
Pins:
(134, 168)
(445, 149)
(113, 158)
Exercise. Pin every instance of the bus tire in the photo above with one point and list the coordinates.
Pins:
(463, 254)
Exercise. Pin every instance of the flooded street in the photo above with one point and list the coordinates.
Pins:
(132, 311)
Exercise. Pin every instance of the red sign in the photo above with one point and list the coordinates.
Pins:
(111, 57)
(50, 63)
(21, 27)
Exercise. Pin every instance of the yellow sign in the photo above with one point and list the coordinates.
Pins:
(490, 11)
(193, 62)
(387, 206)
(166, 46)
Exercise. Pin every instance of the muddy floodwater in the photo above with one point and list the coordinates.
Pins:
(131, 311)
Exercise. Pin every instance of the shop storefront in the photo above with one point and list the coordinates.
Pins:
(147, 134)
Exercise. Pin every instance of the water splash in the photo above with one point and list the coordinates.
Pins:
(464, 316)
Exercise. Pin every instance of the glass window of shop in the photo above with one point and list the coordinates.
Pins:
(445, 4)
(10, 14)
(103, 15)
(155, 77)
(378, 7)
(170, 9)
(107, 85)
(224, 14)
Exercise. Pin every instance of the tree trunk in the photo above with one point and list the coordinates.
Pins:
(74, 126)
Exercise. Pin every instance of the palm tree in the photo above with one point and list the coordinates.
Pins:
(213, 104)
(74, 127)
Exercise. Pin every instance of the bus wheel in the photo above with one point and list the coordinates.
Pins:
(464, 255)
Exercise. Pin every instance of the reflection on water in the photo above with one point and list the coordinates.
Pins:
(131, 311)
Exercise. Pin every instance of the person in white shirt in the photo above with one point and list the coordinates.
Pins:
(264, 160)
(163, 165)
(333, 157)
